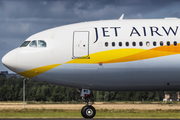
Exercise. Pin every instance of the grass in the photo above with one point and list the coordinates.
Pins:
(133, 113)
(103, 113)
(110, 102)
(141, 102)
(10, 102)
(50, 102)
(77, 102)
(37, 113)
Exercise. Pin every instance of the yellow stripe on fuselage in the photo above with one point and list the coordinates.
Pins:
(34, 72)
(128, 54)
(107, 55)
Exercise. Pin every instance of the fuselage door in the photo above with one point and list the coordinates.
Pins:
(81, 44)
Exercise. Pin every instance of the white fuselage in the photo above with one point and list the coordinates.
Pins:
(112, 55)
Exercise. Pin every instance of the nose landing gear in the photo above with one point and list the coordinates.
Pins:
(88, 111)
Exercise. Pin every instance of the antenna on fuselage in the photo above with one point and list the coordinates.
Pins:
(122, 16)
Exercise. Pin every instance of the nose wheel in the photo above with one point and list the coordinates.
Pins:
(88, 111)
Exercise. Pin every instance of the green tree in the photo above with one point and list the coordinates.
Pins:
(3, 93)
(39, 95)
(2, 80)
(57, 95)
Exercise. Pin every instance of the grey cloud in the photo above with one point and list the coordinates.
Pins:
(75, 9)
(39, 9)
(3, 45)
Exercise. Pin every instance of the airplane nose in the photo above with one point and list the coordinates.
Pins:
(10, 60)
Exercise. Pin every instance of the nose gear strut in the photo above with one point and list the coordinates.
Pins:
(88, 111)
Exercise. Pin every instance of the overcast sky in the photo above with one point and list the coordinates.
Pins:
(20, 19)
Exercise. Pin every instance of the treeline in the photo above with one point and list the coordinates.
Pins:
(11, 89)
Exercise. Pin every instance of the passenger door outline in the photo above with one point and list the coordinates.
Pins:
(80, 44)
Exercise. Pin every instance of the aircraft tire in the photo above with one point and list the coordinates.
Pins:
(88, 111)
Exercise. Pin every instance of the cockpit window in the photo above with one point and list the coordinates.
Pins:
(41, 43)
(25, 43)
(33, 43)
(38, 43)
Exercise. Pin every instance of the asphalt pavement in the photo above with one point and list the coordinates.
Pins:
(84, 119)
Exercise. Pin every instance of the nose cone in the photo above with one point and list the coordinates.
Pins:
(10, 60)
